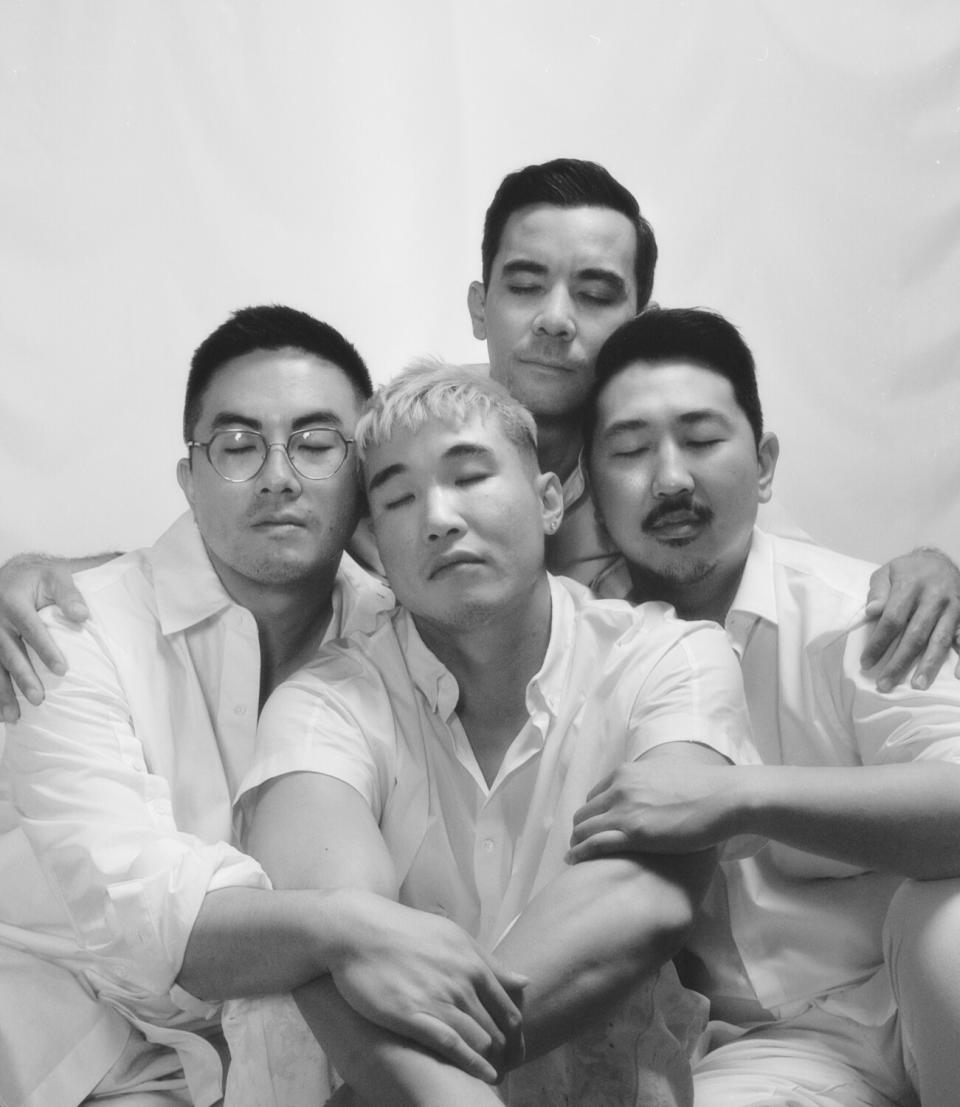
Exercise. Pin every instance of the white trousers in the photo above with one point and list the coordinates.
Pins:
(822, 1060)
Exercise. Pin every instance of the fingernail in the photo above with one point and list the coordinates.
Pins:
(10, 713)
(884, 685)
(921, 682)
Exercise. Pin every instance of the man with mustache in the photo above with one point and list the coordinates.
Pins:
(830, 955)
(567, 257)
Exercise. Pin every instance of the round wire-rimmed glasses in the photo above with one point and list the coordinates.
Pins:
(316, 453)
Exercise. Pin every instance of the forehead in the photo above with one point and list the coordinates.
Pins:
(571, 239)
(284, 385)
(661, 392)
(438, 443)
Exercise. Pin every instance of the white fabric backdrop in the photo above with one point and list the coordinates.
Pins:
(163, 163)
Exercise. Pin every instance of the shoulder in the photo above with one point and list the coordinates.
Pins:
(817, 583)
(350, 669)
(642, 632)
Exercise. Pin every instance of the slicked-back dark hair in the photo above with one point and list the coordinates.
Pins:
(268, 327)
(569, 183)
(679, 334)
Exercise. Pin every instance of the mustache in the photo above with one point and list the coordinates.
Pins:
(684, 502)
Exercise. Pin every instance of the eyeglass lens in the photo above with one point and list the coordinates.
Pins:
(315, 453)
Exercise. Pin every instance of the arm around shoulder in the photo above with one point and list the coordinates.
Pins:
(28, 583)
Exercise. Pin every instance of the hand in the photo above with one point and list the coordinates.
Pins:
(28, 584)
(917, 599)
(655, 805)
(422, 977)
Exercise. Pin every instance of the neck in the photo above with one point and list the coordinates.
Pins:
(493, 661)
(558, 446)
(709, 597)
(291, 617)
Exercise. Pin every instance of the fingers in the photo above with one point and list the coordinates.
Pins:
(9, 707)
(496, 992)
(441, 1038)
(65, 595)
(887, 630)
(599, 844)
(879, 591)
(18, 667)
(941, 641)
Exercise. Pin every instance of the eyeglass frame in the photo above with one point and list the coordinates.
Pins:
(285, 446)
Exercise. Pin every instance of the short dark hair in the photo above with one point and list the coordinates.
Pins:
(569, 183)
(268, 327)
(688, 334)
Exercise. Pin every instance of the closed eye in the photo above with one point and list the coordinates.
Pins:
(471, 478)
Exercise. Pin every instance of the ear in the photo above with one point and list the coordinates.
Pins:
(476, 301)
(185, 478)
(768, 453)
(550, 492)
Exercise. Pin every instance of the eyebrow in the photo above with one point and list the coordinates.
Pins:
(687, 419)
(523, 265)
(455, 452)
(320, 417)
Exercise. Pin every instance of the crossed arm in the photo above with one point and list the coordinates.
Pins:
(314, 830)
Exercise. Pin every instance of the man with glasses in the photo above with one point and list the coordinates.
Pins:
(127, 914)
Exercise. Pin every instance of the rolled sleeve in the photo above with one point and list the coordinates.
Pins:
(894, 727)
(103, 829)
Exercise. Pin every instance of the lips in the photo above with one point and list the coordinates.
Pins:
(556, 365)
(677, 523)
(280, 521)
(452, 561)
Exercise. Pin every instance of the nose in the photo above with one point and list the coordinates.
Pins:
(441, 517)
(556, 319)
(672, 476)
(277, 474)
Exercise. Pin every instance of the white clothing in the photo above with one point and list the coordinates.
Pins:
(123, 780)
(786, 934)
(798, 623)
(379, 713)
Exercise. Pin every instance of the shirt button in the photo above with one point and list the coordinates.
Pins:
(239, 709)
(488, 845)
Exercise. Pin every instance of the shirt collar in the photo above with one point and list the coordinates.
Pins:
(756, 594)
(179, 555)
(547, 687)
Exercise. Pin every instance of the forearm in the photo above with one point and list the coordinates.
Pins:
(593, 933)
(250, 941)
(381, 1067)
(893, 818)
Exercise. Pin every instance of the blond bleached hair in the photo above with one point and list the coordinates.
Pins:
(432, 389)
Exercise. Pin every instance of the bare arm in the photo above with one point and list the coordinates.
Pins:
(593, 933)
(916, 600)
(311, 830)
(29, 583)
(894, 818)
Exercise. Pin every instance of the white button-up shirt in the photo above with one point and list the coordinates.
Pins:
(807, 929)
(379, 712)
(123, 780)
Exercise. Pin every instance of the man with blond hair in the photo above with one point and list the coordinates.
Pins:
(440, 758)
